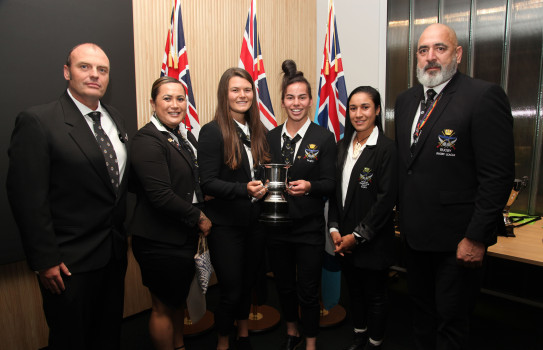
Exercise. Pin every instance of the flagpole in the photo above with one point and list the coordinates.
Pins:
(257, 43)
(250, 51)
(331, 107)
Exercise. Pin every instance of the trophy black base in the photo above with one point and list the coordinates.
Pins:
(275, 213)
(509, 231)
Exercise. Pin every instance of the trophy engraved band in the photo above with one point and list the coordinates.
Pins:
(275, 206)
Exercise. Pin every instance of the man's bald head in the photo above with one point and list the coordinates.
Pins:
(438, 55)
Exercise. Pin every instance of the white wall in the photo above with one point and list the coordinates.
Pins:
(361, 26)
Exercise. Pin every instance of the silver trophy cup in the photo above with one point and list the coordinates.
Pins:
(275, 206)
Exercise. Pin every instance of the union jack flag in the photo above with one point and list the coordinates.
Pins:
(250, 59)
(176, 65)
(332, 92)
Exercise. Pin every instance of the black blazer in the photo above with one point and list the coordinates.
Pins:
(164, 183)
(458, 181)
(314, 162)
(60, 192)
(369, 202)
(231, 204)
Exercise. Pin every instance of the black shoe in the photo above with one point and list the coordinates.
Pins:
(243, 343)
(359, 341)
(292, 342)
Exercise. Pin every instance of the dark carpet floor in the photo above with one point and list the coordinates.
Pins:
(497, 324)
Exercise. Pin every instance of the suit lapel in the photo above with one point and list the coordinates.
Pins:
(245, 162)
(275, 145)
(355, 173)
(305, 141)
(179, 148)
(192, 139)
(406, 127)
(298, 157)
(84, 138)
(123, 136)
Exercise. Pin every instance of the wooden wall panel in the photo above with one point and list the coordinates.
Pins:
(136, 296)
(213, 34)
(22, 322)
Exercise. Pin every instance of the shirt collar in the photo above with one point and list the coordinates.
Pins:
(437, 88)
(84, 109)
(300, 132)
(372, 139)
(243, 127)
(160, 126)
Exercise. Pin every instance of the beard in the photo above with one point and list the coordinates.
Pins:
(434, 79)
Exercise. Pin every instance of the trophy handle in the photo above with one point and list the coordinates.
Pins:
(286, 175)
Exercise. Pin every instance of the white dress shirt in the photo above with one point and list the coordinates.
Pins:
(350, 161)
(109, 127)
(245, 129)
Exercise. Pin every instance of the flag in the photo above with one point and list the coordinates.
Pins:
(250, 59)
(332, 96)
(332, 99)
(176, 65)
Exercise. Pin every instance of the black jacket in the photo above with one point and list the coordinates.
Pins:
(369, 202)
(60, 191)
(231, 204)
(458, 180)
(314, 162)
(164, 183)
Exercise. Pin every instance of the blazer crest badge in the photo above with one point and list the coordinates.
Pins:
(311, 153)
(365, 178)
(446, 143)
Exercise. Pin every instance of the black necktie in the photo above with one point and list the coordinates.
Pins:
(424, 107)
(243, 137)
(430, 95)
(287, 151)
(107, 150)
(195, 173)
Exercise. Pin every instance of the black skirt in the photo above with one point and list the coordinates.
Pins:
(166, 270)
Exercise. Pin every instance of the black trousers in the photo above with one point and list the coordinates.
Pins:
(369, 298)
(236, 254)
(88, 314)
(443, 294)
(297, 268)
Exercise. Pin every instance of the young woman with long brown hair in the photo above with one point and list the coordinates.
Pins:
(231, 148)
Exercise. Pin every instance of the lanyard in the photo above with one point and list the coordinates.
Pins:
(422, 121)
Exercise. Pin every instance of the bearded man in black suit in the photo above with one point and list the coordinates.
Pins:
(456, 170)
(67, 191)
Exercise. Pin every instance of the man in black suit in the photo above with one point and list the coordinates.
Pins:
(456, 170)
(67, 190)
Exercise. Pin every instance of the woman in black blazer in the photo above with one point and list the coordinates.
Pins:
(360, 217)
(231, 148)
(295, 251)
(168, 213)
